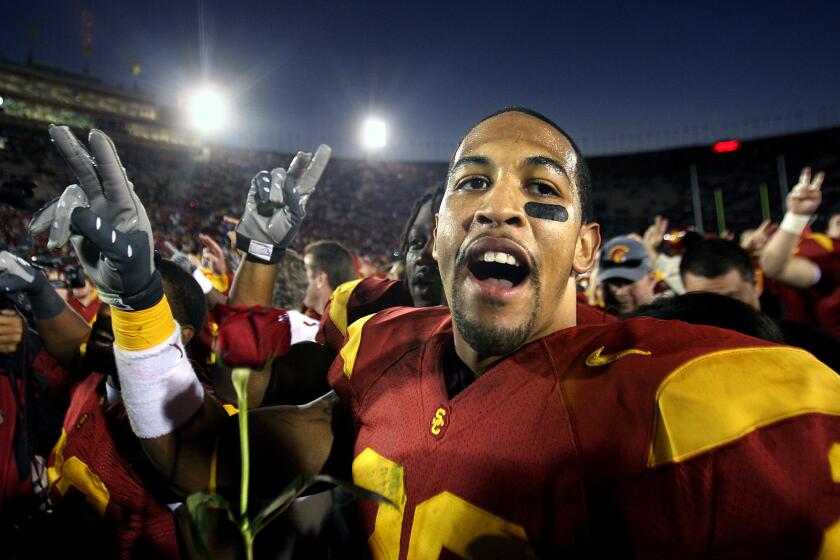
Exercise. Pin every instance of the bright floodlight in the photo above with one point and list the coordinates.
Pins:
(374, 134)
(208, 110)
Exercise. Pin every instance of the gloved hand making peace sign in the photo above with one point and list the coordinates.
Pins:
(105, 221)
(276, 206)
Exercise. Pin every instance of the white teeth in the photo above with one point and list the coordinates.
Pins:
(499, 257)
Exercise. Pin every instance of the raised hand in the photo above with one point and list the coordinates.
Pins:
(276, 206)
(105, 221)
(805, 197)
(214, 253)
(17, 275)
(655, 235)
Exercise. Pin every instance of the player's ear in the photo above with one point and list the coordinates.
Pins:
(434, 238)
(586, 248)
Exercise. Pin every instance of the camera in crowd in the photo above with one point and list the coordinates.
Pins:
(71, 274)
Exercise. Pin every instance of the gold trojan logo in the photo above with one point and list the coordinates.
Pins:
(618, 253)
(438, 421)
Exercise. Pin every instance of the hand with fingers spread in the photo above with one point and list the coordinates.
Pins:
(276, 206)
(17, 275)
(805, 197)
(213, 254)
(655, 235)
(105, 221)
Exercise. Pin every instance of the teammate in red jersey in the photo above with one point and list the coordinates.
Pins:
(502, 429)
(108, 499)
(806, 267)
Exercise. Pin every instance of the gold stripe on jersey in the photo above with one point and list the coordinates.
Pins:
(350, 349)
(338, 304)
(72, 471)
(719, 397)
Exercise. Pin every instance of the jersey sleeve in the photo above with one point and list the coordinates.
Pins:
(744, 459)
(356, 299)
(375, 342)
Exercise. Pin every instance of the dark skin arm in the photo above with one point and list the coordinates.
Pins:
(63, 334)
(253, 285)
(286, 441)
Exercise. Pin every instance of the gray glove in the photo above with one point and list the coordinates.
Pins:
(276, 206)
(105, 222)
(180, 258)
(17, 275)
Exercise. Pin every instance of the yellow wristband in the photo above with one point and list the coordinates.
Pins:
(139, 330)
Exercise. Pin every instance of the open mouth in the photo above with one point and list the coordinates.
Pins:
(497, 264)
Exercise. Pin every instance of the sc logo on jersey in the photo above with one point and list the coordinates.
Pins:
(440, 421)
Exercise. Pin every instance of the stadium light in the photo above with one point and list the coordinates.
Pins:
(374, 134)
(726, 146)
(208, 110)
(1, 100)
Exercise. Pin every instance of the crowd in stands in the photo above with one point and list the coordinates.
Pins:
(780, 284)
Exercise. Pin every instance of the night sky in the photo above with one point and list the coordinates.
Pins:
(617, 76)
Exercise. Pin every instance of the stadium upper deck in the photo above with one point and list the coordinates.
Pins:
(182, 177)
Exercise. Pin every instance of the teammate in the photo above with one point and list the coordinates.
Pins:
(108, 500)
(813, 272)
(499, 429)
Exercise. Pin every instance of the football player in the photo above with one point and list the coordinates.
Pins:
(498, 429)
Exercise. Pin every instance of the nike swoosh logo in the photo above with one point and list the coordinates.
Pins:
(595, 359)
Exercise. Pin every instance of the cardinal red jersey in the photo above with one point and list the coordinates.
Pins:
(819, 304)
(645, 437)
(354, 300)
(358, 298)
(109, 501)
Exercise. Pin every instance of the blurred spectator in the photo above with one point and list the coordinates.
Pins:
(626, 271)
(328, 265)
(722, 267)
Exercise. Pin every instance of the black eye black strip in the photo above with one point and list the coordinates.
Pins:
(547, 211)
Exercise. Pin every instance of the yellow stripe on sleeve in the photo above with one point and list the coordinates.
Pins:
(722, 396)
(139, 330)
(338, 304)
(350, 349)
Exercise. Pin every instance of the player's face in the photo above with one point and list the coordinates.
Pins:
(505, 272)
(312, 298)
(421, 270)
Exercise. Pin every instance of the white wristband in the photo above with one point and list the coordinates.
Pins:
(794, 223)
(203, 281)
(159, 387)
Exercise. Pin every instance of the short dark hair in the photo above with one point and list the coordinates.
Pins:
(706, 308)
(711, 258)
(433, 195)
(187, 301)
(334, 259)
(583, 180)
(290, 285)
